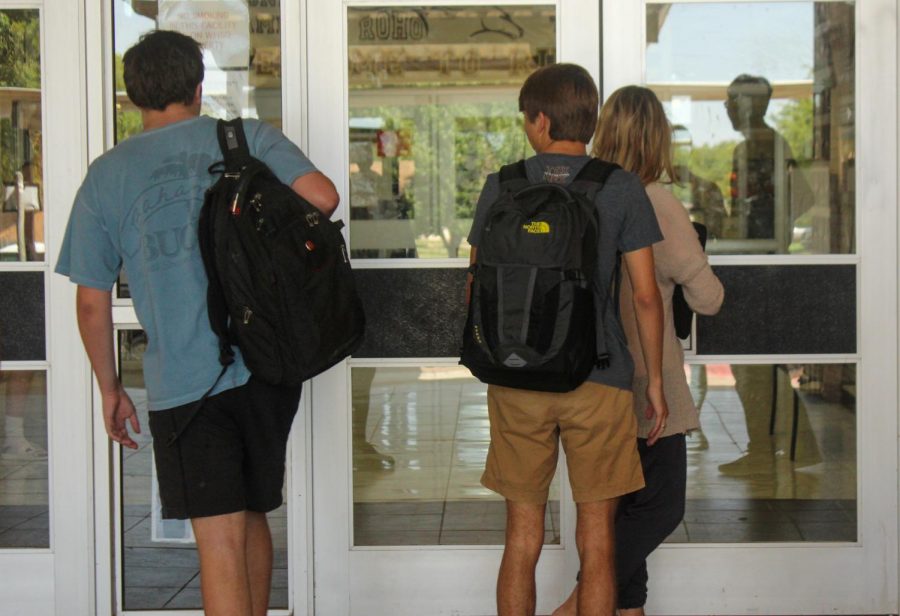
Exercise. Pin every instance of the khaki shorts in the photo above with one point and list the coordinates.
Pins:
(598, 430)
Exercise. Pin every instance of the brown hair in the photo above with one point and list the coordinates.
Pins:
(162, 68)
(633, 131)
(567, 95)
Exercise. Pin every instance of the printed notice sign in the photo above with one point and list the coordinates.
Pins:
(222, 27)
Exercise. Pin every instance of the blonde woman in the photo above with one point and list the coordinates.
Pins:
(633, 131)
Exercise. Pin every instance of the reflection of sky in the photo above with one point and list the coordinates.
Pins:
(708, 122)
(129, 26)
(698, 43)
(717, 42)
(714, 43)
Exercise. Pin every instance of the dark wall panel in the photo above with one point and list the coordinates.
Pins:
(774, 309)
(412, 312)
(779, 309)
(22, 316)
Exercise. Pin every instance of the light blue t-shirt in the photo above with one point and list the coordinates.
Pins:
(139, 208)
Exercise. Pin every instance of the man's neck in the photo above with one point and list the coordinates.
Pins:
(175, 112)
(572, 148)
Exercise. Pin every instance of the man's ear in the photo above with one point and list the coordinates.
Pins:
(543, 123)
(198, 94)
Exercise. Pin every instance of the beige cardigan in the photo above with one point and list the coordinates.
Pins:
(679, 259)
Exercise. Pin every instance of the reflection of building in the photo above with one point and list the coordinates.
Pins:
(800, 201)
(21, 218)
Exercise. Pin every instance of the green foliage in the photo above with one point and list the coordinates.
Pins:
(713, 163)
(453, 149)
(128, 123)
(20, 49)
(795, 123)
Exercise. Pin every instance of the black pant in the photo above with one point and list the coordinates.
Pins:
(646, 517)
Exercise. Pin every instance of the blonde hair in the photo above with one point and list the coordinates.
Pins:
(633, 132)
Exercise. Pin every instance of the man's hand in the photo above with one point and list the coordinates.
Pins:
(118, 410)
(656, 407)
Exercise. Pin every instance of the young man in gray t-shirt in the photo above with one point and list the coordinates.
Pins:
(595, 422)
(138, 208)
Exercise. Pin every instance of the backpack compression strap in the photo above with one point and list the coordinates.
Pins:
(233, 143)
(597, 172)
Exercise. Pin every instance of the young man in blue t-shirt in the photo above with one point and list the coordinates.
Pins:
(138, 209)
(594, 422)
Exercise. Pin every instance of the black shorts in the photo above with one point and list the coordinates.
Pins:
(230, 457)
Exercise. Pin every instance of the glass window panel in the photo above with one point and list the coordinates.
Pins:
(762, 100)
(433, 96)
(242, 57)
(420, 440)
(24, 509)
(159, 564)
(21, 161)
(775, 458)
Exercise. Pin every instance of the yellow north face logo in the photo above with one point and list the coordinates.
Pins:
(537, 227)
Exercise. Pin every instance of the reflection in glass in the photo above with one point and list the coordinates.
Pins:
(21, 162)
(24, 509)
(762, 100)
(775, 458)
(241, 56)
(159, 560)
(420, 440)
(433, 110)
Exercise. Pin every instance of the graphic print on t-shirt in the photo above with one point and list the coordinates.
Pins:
(557, 174)
(163, 218)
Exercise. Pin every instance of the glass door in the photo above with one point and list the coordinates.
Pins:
(411, 112)
(414, 107)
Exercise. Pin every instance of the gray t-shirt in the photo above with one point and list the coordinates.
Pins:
(139, 207)
(627, 223)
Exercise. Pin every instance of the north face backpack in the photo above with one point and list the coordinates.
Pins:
(280, 284)
(534, 320)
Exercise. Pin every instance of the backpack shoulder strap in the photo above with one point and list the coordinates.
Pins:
(596, 171)
(515, 171)
(233, 143)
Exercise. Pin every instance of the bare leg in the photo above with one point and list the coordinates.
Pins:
(222, 545)
(259, 561)
(595, 538)
(524, 539)
(569, 606)
(633, 611)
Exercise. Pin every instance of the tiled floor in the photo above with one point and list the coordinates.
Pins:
(420, 439)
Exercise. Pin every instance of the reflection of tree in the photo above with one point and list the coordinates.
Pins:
(128, 121)
(713, 161)
(20, 68)
(795, 123)
(453, 149)
(20, 48)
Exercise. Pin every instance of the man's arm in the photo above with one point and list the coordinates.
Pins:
(316, 188)
(648, 311)
(94, 311)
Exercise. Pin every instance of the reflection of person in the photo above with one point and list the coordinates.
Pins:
(759, 163)
(16, 445)
(363, 183)
(138, 207)
(633, 132)
(759, 190)
(594, 421)
(368, 201)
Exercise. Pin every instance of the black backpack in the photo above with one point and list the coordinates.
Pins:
(681, 312)
(280, 283)
(534, 321)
